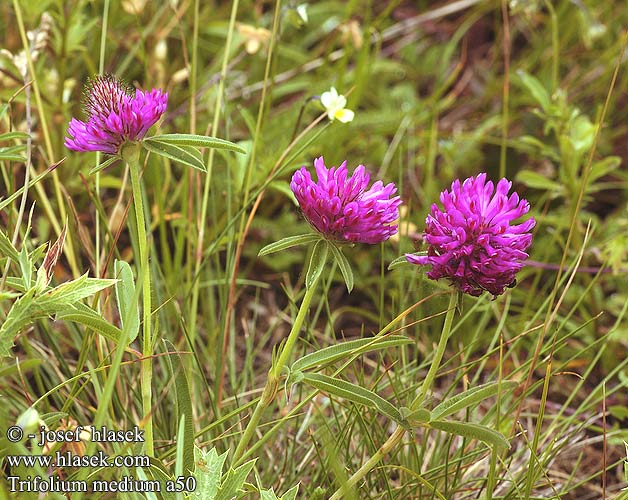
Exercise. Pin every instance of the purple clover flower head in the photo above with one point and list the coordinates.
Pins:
(114, 115)
(343, 209)
(472, 242)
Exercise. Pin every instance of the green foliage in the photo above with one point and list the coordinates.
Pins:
(433, 102)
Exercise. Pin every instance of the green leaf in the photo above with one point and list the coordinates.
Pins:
(267, 495)
(207, 472)
(603, 167)
(354, 393)
(289, 242)
(199, 141)
(84, 315)
(234, 480)
(317, 263)
(416, 417)
(538, 181)
(399, 262)
(345, 267)
(185, 440)
(18, 316)
(71, 292)
(7, 249)
(536, 89)
(471, 397)
(127, 298)
(13, 135)
(291, 494)
(26, 267)
(349, 348)
(186, 155)
(473, 431)
(582, 133)
(141, 475)
(103, 165)
(11, 157)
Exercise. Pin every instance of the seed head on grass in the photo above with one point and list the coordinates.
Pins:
(343, 209)
(115, 115)
(472, 242)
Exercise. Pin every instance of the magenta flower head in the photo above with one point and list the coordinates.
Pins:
(115, 115)
(343, 209)
(472, 242)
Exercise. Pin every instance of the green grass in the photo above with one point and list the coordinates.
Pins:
(535, 91)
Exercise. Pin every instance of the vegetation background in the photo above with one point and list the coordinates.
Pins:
(532, 90)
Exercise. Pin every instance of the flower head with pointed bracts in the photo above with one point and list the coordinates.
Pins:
(115, 115)
(472, 241)
(342, 208)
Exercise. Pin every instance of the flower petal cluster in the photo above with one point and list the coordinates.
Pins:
(334, 104)
(342, 208)
(472, 241)
(114, 115)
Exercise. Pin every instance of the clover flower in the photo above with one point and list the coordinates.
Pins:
(472, 242)
(334, 104)
(343, 209)
(114, 115)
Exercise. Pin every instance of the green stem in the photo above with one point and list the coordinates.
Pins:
(274, 374)
(440, 351)
(384, 449)
(131, 155)
(399, 432)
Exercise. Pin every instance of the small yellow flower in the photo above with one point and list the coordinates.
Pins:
(334, 104)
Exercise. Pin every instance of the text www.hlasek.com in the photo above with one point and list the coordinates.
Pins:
(69, 460)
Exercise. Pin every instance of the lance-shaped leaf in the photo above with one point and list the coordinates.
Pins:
(348, 348)
(187, 155)
(103, 165)
(199, 141)
(84, 315)
(345, 267)
(470, 397)
(472, 431)
(289, 242)
(7, 249)
(7, 136)
(18, 316)
(399, 262)
(71, 292)
(126, 298)
(317, 263)
(352, 392)
(233, 481)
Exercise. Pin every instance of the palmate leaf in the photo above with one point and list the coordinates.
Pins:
(350, 348)
(354, 393)
(471, 397)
